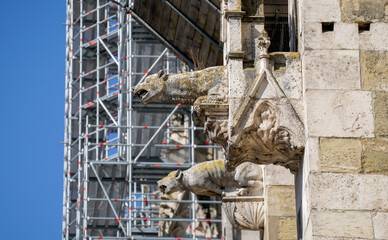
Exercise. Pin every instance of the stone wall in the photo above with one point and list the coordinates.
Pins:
(343, 180)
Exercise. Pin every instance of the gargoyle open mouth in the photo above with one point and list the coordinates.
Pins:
(163, 188)
(141, 93)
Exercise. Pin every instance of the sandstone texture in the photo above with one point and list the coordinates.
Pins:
(287, 229)
(340, 155)
(282, 201)
(364, 10)
(375, 156)
(381, 113)
(374, 70)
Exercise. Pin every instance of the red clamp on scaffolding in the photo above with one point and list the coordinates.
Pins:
(144, 219)
(86, 229)
(118, 220)
(130, 208)
(145, 127)
(164, 143)
(116, 200)
(145, 200)
(178, 145)
(157, 165)
(99, 237)
(207, 143)
(89, 104)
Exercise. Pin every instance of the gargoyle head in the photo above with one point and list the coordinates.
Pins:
(151, 89)
(172, 183)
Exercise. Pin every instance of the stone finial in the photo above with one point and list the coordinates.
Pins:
(263, 42)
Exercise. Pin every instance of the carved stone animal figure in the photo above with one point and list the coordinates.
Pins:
(184, 88)
(210, 178)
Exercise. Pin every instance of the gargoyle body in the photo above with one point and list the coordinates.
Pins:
(184, 88)
(210, 178)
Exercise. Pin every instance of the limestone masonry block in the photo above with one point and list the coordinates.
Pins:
(347, 224)
(364, 10)
(380, 225)
(335, 113)
(340, 155)
(278, 175)
(344, 36)
(374, 70)
(375, 156)
(324, 69)
(287, 229)
(381, 113)
(338, 191)
(322, 11)
(281, 201)
(376, 38)
(311, 157)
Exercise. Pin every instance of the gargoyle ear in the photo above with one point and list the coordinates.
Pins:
(160, 73)
(178, 175)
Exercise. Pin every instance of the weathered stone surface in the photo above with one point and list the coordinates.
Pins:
(287, 228)
(364, 10)
(344, 36)
(348, 224)
(322, 11)
(380, 225)
(287, 71)
(348, 191)
(281, 201)
(381, 113)
(210, 178)
(340, 155)
(375, 156)
(332, 113)
(324, 69)
(278, 175)
(376, 38)
(374, 70)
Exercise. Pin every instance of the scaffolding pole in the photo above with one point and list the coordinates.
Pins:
(115, 147)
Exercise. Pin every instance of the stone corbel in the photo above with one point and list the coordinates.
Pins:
(234, 14)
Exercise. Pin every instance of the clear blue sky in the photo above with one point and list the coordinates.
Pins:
(32, 79)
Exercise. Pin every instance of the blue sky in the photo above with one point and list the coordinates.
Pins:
(32, 118)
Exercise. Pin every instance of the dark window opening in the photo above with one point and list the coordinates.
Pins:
(363, 27)
(327, 27)
(276, 23)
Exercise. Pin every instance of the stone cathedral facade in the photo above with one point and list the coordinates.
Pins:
(305, 132)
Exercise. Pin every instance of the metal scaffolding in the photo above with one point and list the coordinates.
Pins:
(116, 148)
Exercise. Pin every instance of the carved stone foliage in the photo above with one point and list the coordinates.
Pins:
(266, 141)
(245, 212)
(217, 131)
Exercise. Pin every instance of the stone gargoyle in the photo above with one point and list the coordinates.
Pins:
(184, 88)
(211, 178)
